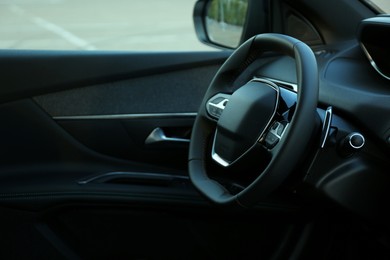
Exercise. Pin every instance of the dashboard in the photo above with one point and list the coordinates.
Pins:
(351, 168)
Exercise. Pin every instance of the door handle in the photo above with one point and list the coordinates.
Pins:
(158, 136)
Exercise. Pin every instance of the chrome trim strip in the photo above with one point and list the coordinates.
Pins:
(326, 126)
(293, 86)
(372, 62)
(218, 158)
(225, 163)
(354, 146)
(124, 116)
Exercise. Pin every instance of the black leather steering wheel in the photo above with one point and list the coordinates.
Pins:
(238, 119)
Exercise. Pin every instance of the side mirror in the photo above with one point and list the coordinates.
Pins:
(225, 20)
(228, 23)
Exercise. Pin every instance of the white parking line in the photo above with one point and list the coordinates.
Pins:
(51, 27)
(66, 35)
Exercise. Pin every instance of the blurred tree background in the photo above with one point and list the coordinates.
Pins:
(231, 12)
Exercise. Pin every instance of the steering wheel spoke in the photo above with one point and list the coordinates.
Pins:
(216, 105)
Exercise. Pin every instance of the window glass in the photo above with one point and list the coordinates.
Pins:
(383, 5)
(161, 25)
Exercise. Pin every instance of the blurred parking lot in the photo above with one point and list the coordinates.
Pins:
(98, 24)
(384, 4)
(102, 24)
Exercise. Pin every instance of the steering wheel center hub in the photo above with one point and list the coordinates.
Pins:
(245, 119)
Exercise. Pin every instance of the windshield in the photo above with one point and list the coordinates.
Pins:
(382, 5)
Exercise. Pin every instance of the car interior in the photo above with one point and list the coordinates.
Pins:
(277, 146)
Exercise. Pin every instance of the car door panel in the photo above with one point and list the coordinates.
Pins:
(160, 98)
(52, 141)
(127, 112)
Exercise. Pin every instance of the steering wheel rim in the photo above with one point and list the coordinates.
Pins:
(296, 138)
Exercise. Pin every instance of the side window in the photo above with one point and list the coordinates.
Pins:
(382, 5)
(135, 25)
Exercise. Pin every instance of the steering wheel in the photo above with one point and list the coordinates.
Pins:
(234, 120)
